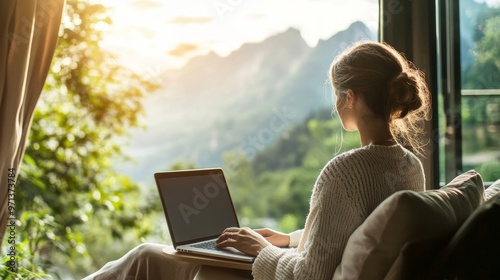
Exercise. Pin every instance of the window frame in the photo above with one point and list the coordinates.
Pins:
(428, 33)
(411, 28)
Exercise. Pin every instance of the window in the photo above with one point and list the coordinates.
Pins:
(480, 86)
(472, 103)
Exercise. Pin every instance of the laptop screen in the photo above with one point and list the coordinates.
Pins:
(196, 203)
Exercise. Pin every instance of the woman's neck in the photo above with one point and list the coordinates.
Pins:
(375, 132)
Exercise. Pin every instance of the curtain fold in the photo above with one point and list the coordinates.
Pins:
(28, 37)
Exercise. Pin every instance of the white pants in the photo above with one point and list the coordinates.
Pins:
(148, 262)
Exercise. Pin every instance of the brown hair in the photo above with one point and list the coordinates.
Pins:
(390, 86)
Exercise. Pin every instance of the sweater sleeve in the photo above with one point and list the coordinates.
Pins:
(295, 238)
(328, 226)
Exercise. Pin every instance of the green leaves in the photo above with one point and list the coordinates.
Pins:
(485, 72)
(33, 231)
(67, 179)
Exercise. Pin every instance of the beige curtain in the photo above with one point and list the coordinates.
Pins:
(29, 31)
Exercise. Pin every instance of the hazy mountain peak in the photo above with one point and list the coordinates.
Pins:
(238, 99)
(289, 37)
(357, 24)
(291, 32)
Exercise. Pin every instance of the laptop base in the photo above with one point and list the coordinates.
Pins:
(206, 260)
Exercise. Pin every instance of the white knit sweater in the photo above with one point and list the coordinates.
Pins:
(346, 191)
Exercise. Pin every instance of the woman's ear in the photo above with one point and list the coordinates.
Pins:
(351, 98)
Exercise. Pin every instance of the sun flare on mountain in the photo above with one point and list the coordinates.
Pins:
(154, 34)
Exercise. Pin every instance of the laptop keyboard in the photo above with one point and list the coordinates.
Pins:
(209, 245)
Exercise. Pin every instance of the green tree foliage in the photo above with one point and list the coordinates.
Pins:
(69, 197)
(485, 72)
(309, 143)
(481, 114)
(182, 165)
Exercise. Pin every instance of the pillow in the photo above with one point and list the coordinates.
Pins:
(408, 217)
(473, 252)
(492, 190)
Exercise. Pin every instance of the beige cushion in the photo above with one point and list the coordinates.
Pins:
(492, 190)
(408, 217)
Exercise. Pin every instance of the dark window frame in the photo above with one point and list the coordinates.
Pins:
(411, 28)
(428, 33)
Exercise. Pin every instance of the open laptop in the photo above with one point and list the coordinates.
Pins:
(198, 207)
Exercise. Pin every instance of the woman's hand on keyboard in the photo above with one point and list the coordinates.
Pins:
(245, 240)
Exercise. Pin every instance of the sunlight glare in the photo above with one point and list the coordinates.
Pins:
(155, 34)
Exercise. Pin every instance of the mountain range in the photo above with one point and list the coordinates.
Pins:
(243, 101)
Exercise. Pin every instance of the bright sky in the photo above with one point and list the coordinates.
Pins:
(153, 35)
(150, 36)
(490, 2)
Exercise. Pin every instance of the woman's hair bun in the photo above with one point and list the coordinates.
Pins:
(392, 88)
(403, 93)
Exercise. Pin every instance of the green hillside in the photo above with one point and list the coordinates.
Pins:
(277, 182)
